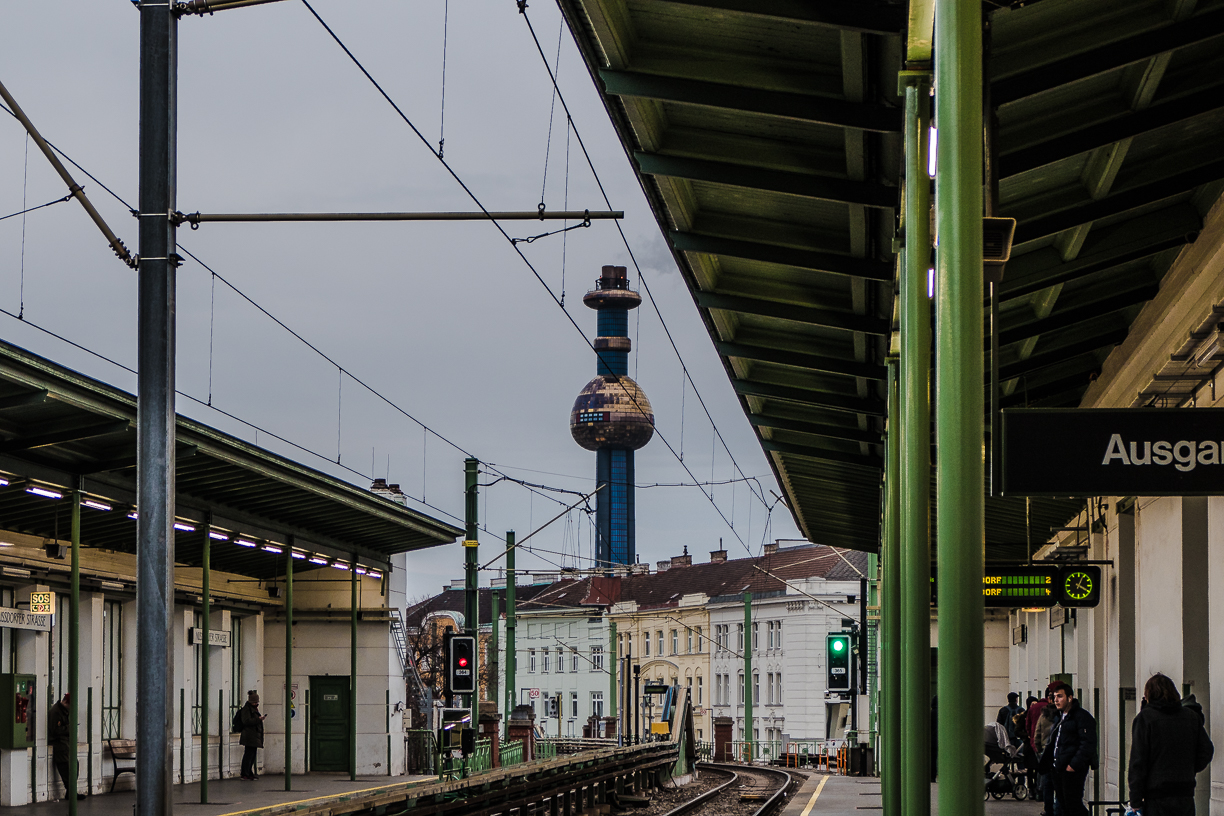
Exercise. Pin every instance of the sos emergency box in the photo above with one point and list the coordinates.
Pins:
(18, 710)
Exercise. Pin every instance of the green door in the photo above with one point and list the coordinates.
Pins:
(329, 723)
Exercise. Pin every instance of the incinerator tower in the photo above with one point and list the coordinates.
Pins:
(613, 418)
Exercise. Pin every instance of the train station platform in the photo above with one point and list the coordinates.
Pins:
(831, 795)
(265, 796)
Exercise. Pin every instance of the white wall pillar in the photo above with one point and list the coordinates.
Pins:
(1215, 647)
(89, 682)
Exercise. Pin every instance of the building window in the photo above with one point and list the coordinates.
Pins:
(778, 633)
(675, 641)
(741, 688)
(597, 703)
(739, 637)
(531, 664)
(574, 704)
(646, 644)
(756, 641)
(112, 668)
(700, 648)
(769, 686)
(546, 661)
(573, 660)
(629, 646)
(596, 658)
(756, 685)
(659, 641)
(700, 690)
(769, 627)
(778, 680)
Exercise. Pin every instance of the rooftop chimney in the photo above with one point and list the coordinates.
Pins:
(685, 560)
(771, 548)
(718, 556)
(664, 565)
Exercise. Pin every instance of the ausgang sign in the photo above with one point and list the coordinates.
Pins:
(1113, 452)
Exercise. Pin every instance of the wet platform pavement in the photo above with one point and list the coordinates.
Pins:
(233, 797)
(825, 795)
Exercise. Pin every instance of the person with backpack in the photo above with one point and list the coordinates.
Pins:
(249, 723)
(1007, 716)
(1071, 752)
(1169, 746)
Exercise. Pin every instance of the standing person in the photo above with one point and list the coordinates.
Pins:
(1047, 716)
(1169, 745)
(1007, 713)
(58, 736)
(1072, 750)
(252, 733)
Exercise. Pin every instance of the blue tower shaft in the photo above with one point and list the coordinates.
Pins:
(616, 540)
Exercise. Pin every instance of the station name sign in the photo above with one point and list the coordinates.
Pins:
(21, 619)
(1113, 452)
(195, 637)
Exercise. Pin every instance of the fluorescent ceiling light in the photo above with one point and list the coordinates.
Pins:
(361, 570)
(932, 154)
(44, 492)
(373, 574)
(132, 514)
(317, 560)
(272, 548)
(95, 504)
(931, 282)
(4, 482)
(242, 542)
(110, 585)
(218, 536)
(340, 565)
(186, 528)
(297, 554)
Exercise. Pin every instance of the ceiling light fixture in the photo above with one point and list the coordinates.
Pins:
(132, 515)
(340, 565)
(95, 504)
(361, 570)
(373, 574)
(297, 554)
(242, 542)
(186, 528)
(44, 492)
(110, 585)
(218, 536)
(4, 482)
(317, 560)
(932, 154)
(272, 548)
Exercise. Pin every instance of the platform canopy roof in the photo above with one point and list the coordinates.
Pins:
(58, 427)
(766, 135)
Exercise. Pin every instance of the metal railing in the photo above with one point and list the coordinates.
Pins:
(110, 722)
(545, 749)
(481, 759)
(705, 751)
(197, 715)
(512, 753)
(419, 751)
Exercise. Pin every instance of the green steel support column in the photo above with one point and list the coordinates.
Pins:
(890, 606)
(915, 518)
(74, 648)
(289, 663)
(494, 644)
(511, 655)
(611, 662)
(748, 674)
(353, 671)
(959, 403)
(204, 660)
(873, 656)
(471, 596)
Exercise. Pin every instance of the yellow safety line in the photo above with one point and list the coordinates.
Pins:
(815, 794)
(334, 797)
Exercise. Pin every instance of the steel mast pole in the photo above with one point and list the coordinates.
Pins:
(289, 662)
(155, 476)
(959, 402)
(511, 655)
(890, 602)
(353, 674)
(748, 675)
(74, 648)
(915, 520)
(205, 656)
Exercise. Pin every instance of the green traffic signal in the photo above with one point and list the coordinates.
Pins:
(839, 645)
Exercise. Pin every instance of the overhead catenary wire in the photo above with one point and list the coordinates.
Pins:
(535, 272)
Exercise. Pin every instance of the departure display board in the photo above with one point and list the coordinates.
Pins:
(1042, 585)
(1038, 585)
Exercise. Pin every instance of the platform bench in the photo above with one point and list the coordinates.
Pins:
(122, 750)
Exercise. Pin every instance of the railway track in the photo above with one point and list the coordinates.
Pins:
(748, 791)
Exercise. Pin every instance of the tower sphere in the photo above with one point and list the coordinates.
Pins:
(612, 412)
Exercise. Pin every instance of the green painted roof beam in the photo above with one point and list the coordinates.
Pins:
(1133, 123)
(1062, 354)
(815, 399)
(1109, 57)
(816, 429)
(791, 449)
(1132, 198)
(804, 107)
(783, 256)
(804, 185)
(861, 15)
(1081, 314)
(920, 32)
(800, 359)
(1064, 385)
(790, 311)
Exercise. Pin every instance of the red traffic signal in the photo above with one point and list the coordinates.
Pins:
(462, 662)
(460, 665)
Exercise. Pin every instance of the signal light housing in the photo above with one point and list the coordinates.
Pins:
(461, 665)
(837, 659)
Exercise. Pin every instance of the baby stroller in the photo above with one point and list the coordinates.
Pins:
(1009, 778)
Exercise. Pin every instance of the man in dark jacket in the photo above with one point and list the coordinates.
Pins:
(58, 735)
(1072, 750)
(1007, 714)
(252, 733)
(1169, 745)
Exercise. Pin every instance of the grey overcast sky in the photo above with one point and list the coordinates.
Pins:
(445, 320)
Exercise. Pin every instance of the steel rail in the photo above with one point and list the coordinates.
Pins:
(195, 219)
(769, 803)
(698, 801)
